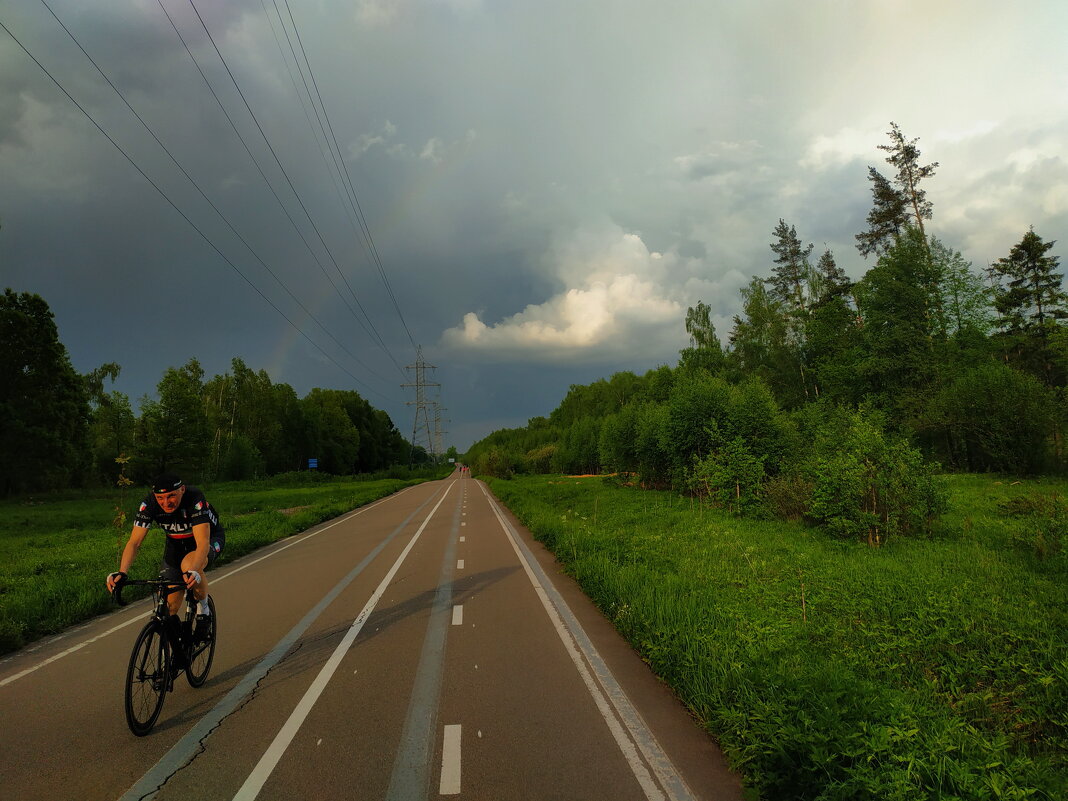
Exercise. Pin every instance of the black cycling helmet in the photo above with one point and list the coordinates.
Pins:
(167, 482)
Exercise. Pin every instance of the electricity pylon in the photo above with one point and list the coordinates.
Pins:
(421, 431)
(439, 433)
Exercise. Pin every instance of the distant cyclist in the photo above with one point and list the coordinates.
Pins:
(195, 537)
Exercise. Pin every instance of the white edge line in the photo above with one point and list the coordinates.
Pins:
(259, 775)
(607, 690)
(298, 538)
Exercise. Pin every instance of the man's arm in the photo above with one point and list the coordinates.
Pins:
(198, 559)
(129, 553)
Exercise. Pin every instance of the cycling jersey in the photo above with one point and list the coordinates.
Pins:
(193, 510)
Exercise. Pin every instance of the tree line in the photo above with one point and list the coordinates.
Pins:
(831, 399)
(61, 429)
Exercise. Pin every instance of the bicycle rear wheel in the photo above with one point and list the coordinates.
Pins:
(147, 679)
(202, 650)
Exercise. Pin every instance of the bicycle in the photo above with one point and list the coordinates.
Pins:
(160, 653)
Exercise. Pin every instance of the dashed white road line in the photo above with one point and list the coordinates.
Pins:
(459, 564)
(458, 615)
(450, 761)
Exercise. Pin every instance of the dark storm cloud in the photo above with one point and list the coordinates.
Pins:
(549, 185)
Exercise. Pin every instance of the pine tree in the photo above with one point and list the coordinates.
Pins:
(898, 366)
(791, 281)
(830, 279)
(1031, 302)
(905, 156)
(895, 205)
(792, 270)
(886, 219)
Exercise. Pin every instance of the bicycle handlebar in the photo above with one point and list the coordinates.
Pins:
(159, 584)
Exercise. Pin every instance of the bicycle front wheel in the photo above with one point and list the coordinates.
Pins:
(202, 650)
(147, 678)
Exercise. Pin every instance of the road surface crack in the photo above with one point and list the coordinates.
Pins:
(201, 748)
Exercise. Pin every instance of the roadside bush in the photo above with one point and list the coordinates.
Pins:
(996, 419)
(730, 478)
(789, 495)
(654, 461)
(868, 485)
(755, 417)
(540, 460)
(496, 462)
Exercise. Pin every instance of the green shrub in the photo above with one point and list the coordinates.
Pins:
(867, 484)
(996, 419)
(789, 496)
(730, 478)
(540, 460)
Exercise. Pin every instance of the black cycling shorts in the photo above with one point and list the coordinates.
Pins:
(176, 549)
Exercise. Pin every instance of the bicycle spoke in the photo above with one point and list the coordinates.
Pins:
(202, 651)
(146, 679)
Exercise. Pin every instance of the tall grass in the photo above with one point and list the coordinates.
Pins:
(57, 549)
(928, 669)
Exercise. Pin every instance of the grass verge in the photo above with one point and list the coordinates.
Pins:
(56, 550)
(928, 669)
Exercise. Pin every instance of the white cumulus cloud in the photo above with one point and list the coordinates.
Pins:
(614, 303)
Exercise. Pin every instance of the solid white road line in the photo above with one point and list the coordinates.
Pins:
(254, 783)
(458, 615)
(604, 689)
(450, 762)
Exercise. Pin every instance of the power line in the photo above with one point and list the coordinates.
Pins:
(196, 186)
(263, 175)
(172, 204)
(296, 194)
(358, 210)
(304, 105)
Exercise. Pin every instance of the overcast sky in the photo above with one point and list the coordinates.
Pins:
(548, 185)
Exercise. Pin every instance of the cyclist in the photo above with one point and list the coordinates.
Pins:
(195, 537)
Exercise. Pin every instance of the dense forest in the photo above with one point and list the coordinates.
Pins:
(60, 429)
(835, 400)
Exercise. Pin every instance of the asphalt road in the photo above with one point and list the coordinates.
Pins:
(420, 647)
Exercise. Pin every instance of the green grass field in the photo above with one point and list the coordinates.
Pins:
(931, 668)
(57, 549)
